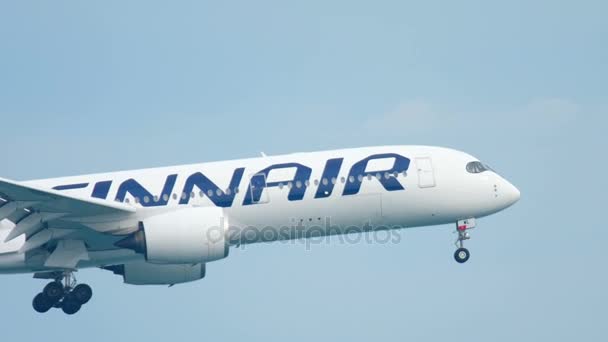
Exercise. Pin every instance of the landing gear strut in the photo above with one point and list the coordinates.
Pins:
(462, 254)
(63, 293)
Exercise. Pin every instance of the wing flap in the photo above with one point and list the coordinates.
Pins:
(30, 207)
(67, 254)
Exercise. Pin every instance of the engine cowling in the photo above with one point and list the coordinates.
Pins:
(143, 273)
(186, 236)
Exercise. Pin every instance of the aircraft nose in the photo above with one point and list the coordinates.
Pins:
(510, 193)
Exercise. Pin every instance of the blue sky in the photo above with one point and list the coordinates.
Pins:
(90, 87)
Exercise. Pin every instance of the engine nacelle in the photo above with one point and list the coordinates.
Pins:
(143, 273)
(186, 236)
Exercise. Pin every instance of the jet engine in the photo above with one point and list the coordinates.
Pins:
(143, 273)
(186, 236)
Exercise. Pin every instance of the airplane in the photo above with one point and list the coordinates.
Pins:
(161, 226)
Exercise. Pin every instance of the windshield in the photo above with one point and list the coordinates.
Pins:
(478, 167)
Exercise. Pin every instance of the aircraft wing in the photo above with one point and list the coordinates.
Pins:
(29, 207)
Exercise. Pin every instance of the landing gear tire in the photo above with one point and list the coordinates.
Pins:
(64, 293)
(70, 305)
(42, 303)
(82, 293)
(462, 255)
(54, 291)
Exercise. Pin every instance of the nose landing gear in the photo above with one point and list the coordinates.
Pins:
(462, 254)
(63, 293)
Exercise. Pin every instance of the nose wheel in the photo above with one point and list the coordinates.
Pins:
(63, 293)
(462, 254)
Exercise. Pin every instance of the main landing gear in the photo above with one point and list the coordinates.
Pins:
(63, 293)
(462, 254)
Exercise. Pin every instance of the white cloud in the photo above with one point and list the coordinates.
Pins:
(408, 118)
(552, 112)
(416, 118)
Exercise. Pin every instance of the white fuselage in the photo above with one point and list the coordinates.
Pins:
(290, 196)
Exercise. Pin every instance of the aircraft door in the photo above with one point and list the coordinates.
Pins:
(426, 175)
(257, 188)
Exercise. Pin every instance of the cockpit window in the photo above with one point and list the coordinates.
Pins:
(477, 167)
